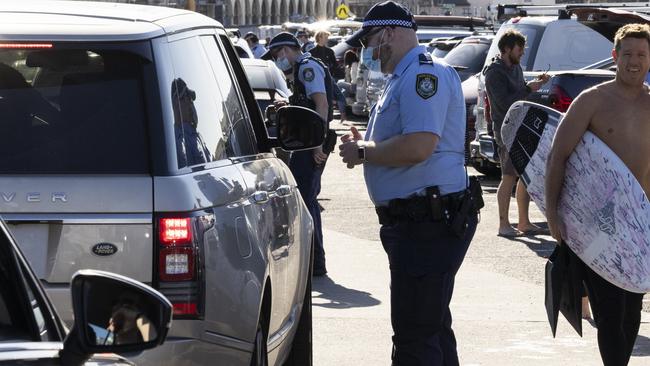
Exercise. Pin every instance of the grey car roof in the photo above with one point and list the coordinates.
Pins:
(40, 20)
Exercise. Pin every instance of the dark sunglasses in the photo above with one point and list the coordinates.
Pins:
(364, 40)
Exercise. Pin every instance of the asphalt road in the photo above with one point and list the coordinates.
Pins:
(498, 302)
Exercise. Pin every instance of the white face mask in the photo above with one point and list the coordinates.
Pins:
(366, 55)
(283, 64)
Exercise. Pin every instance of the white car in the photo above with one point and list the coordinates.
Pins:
(552, 43)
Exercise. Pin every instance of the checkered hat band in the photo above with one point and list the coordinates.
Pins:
(285, 43)
(384, 22)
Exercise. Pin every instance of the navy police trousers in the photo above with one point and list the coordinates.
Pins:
(424, 258)
(308, 176)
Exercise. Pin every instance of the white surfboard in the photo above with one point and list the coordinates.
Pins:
(603, 206)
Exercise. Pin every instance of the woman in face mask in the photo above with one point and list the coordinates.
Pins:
(312, 88)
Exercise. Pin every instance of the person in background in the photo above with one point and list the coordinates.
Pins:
(303, 38)
(505, 84)
(348, 85)
(324, 53)
(254, 44)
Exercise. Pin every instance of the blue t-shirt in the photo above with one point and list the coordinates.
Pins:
(420, 96)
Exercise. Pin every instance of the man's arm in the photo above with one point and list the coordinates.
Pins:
(567, 136)
(322, 107)
(402, 150)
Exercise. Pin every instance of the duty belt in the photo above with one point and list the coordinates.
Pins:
(419, 209)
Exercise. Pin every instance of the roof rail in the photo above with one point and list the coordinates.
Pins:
(507, 11)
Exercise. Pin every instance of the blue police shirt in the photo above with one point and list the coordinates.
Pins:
(647, 79)
(419, 97)
(311, 74)
(258, 50)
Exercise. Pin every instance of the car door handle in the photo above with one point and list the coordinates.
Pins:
(260, 197)
(283, 191)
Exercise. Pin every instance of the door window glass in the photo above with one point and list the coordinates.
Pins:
(201, 123)
(241, 140)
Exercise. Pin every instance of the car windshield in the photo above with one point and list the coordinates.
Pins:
(69, 109)
(469, 56)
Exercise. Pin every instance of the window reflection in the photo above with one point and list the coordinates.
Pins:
(190, 148)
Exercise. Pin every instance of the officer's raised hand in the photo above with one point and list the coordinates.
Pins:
(354, 135)
(353, 148)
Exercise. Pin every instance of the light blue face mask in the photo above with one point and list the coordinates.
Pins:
(283, 64)
(366, 56)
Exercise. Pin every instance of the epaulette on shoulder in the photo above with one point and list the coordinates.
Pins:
(426, 58)
(304, 61)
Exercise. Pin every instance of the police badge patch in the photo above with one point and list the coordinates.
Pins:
(426, 85)
(308, 74)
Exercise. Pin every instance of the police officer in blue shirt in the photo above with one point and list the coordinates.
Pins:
(254, 44)
(311, 88)
(413, 159)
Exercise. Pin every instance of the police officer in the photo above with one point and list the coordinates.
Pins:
(303, 38)
(413, 158)
(312, 88)
(254, 44)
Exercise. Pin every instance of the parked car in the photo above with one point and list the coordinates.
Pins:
(468, 57)
(552, 43)
(34, 334)
(426, 35)
(440, 47)
(132, 143)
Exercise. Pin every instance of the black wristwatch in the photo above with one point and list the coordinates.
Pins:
(361, 151)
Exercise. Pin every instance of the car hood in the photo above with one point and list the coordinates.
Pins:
(608, 21)
(17, 351)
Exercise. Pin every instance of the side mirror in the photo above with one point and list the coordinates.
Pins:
(300, 128)
(114, 314)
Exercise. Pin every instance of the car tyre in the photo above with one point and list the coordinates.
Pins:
(260, 357)
(301, 348)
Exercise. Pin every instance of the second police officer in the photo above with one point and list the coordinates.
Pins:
(413, 160)
(311, 88)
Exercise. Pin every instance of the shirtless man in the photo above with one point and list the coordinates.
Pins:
(618, 112)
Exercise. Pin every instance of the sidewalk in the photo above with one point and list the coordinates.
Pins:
(498, 320)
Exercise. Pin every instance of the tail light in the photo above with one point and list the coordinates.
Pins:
(559, 99)
(178, 274)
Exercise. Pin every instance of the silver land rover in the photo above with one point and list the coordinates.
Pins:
(131, 142)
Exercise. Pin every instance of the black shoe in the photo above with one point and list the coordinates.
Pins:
(319, 272)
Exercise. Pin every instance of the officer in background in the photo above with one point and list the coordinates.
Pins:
(303, 38)
(311, 88)
(413, 158)
(254, 44)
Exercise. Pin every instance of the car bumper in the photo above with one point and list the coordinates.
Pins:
(191, 352)
(359, 109)
(484, 148)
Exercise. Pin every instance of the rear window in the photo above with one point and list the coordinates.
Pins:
(74, 109)
(533, 35)
(575, 84)
(468, 55)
